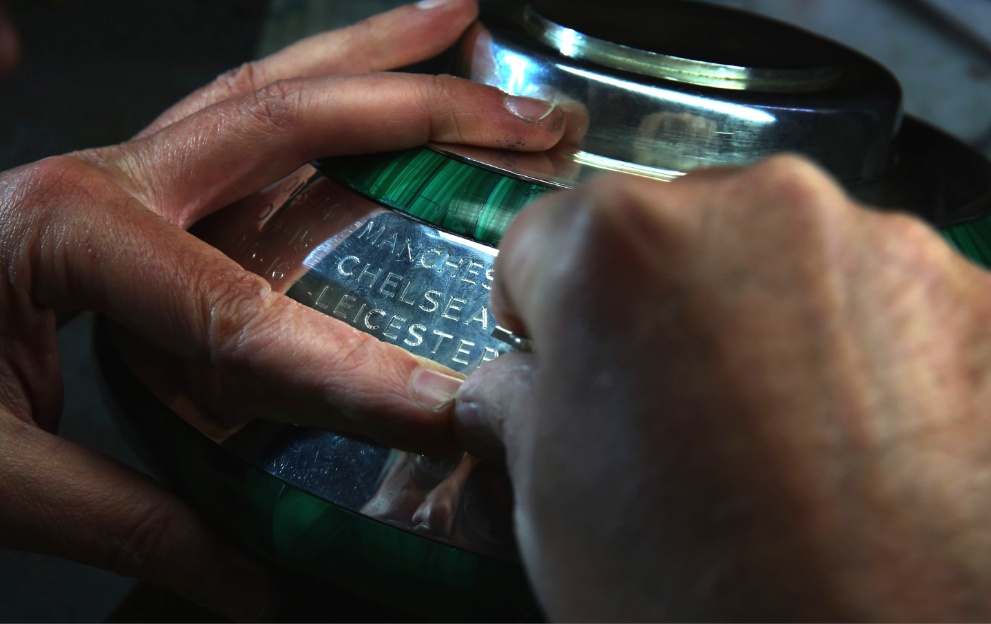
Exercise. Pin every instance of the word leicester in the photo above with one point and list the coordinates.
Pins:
(430, 298)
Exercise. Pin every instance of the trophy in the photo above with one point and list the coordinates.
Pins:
(401, 246)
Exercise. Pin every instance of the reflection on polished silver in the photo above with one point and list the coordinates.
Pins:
(406, 283)
(452, 499)
(845, 117)
(574, 44)
(563, 167)
(517, 342)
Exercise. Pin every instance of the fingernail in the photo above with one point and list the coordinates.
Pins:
(432, 4)
(526, 108)
(238, 591)
(433, 389)
(475, 431)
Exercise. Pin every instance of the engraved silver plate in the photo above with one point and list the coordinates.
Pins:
(403, 281)
(407, 283)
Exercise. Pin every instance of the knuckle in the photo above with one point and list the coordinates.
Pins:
(47, 187)
(632, 214)
(359, 33)
(356, 354)
(907, 228)
(791, 198)
(234, 307)
(445, 104)
(276, 105)
(59, 178)
(241, 79)
(917, 243)
(620, 229)
(444, 87)
(790, 180)
(144, 538)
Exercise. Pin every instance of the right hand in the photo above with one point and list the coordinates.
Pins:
(750, 398)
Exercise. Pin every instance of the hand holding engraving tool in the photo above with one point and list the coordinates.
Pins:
(104, 230)
(751, 398)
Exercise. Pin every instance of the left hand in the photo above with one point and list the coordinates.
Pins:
(105, 230)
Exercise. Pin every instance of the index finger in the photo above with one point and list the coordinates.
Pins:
(221, 154)
(396, 38)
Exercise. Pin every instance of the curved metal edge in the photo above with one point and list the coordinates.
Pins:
(667, 126)
(574, 44)
(933, 175)
(561, 169)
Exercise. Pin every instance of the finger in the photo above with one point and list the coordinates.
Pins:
(218, 404)
(611, 235)
(217, 156)
(587, 251)
(110, 254)
(772, 172)
(30, 370)
(632, 234)
(400, 37)
(494, 408)
(63, 499)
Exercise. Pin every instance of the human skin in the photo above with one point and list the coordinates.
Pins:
(750, 398)
(105, 230)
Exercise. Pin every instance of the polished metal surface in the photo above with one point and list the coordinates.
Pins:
(670, 118)
(573, 44)
(452, 499)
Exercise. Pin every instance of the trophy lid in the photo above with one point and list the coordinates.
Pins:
(661, 88)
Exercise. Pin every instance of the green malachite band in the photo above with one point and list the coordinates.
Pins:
(479, 203)
(462, 198)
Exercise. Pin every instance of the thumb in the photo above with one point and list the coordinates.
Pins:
(63, 499)
(492, 407)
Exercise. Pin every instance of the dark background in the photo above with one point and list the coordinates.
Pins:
(95, 72)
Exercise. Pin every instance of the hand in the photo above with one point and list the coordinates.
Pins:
(104, 230)
(750, 398)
